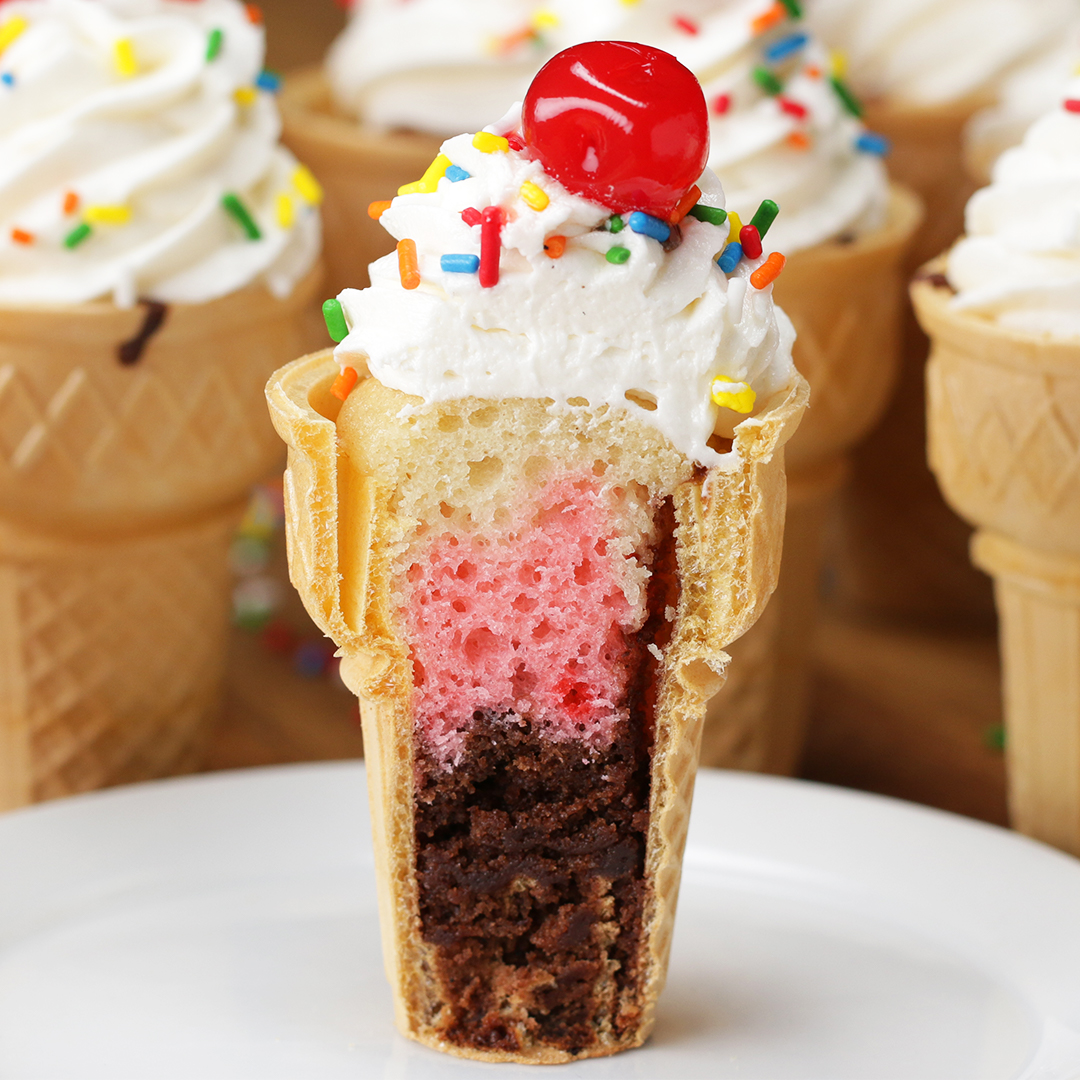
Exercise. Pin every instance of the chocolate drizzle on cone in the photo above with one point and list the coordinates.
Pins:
(130, 352)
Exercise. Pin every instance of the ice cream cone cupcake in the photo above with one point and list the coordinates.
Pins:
(150, 278)
(1004, 408)
(921, 75)
(553, 494)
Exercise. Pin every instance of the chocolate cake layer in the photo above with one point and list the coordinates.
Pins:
(530, 859)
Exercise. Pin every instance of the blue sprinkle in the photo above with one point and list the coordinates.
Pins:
(456, 173)
(460, 264)
(7, 79)
(730, 259)
(649, 226)
(782, 49)
(268, 81)
(871, 143)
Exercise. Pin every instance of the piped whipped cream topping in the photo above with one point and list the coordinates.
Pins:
(930, 52)
(139, 155)
(1019, 263)
(779, 128)
(1026, 94)
(580, 313)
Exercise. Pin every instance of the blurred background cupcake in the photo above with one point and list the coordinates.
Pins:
(158, 259)
(922, 68)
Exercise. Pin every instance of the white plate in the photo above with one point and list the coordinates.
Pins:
(224, 927)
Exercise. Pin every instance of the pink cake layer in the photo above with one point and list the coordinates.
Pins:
(531, 620)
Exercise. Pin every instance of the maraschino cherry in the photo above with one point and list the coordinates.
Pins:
(620, 124)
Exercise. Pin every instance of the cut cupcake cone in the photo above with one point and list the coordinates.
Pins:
(1004, 412)
(846, 301)
(121, 478)
(533, 627)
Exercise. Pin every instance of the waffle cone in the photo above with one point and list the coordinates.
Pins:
(730, 528)
(1004, 426)
(119, 487)
(846, 301)
(355, 167)
(892, 514)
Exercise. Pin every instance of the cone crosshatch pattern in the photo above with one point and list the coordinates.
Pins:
(338, 526)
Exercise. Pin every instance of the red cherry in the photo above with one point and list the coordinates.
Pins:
(620, 124)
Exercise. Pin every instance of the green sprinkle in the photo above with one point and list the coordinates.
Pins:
(850, 101)
(765, 216)
(239, 212)
(994, 737)
(618, 255)
(336, 326)
(794, 8)
(77, 235)
(768, 81)
(213, 43)
(615, 223)
(712, 214)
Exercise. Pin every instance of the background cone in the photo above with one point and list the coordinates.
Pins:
(120, 485)
(846, 301)
(1004, 420)
(355, 167)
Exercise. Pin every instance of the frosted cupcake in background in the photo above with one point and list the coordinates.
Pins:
(922, 68)
(1025, 95)
(158, 257)
(1003, 311)
(533, 496)
(782, 132)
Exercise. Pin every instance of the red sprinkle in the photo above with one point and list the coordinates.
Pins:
(687, 26)
(516, 142)
(21, 236)
(1072, 104)
(721, 104)
(751, 241)
(792, 108)
(490, 246)
(471, 216)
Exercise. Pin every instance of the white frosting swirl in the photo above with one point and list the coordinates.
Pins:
(125, 125)
(1019, 263)
(435, 65)
(1024, 95)
(929, 52)
(663, 324)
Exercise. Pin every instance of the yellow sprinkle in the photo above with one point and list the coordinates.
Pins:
(630, 3)
(487, 143)
(544, 19)
(534, 196)
(734, 228)
(246, 95)
(284, 211)
(838, 62)
(738, 396)
(124, 58)
(310, 189)
(430, 180)
(104, 214)
(12, 29)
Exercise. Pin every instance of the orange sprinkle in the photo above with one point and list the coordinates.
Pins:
(376, 210)
(813, 71)
(686, 204)
(21, 236)
(554, 246)
(406, 259)
(776, 14)
(503, 46)
(344, 383)
(254, 14)
(799, 140)
(71, 202)
(768, 271)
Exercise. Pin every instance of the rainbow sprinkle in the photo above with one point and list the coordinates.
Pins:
(646, 225)
(764, 217)
(241, 215)
(847, 98)
(767, 81)
(534, 196)
(869, 142)
(487, 143)
(713, 215)
(555, 246)
(343, 385)
(11, 31)
(303, 179)
(408, 270)
(107, 214)
(459, 264)
(268, 81)
(376, 210)
(334, 316)
(618, 255)
(737, 396)
(769, 271)
(77, 236)
(124, 59)
(429, 182)
(285, 212)
(785, 47)
(750, 241)
(490, 246)
(731, 257)
(214, 43)
(455, 174)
